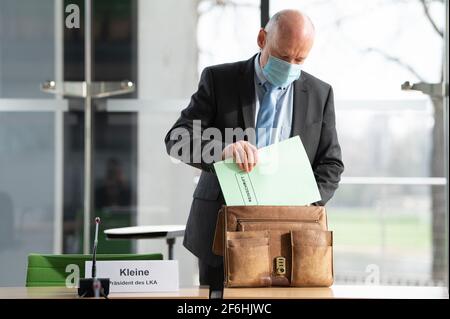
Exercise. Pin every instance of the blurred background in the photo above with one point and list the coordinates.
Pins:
(389, 215)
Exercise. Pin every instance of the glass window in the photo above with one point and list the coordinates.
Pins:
(30, 137)
(227, 31)
(389, 211)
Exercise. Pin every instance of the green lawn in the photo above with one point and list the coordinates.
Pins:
(361, 228)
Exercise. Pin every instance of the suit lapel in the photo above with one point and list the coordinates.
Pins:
(300, 106)
(247, 92)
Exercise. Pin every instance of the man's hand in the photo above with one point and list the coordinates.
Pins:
(244, 154)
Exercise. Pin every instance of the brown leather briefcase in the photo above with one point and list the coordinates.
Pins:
(274, 246)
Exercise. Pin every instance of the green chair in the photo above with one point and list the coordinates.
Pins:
(53, 270)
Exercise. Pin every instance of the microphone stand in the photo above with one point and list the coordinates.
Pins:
(96, 284)
(94, 287)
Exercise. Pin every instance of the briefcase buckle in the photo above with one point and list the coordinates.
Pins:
(280, 265)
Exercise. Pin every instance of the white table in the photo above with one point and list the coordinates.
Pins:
(338, 292)
(198, 292)
(169, 232)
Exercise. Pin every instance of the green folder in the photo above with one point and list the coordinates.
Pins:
(282, 176)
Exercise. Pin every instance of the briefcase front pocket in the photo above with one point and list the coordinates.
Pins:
(248, 261)
(312, 258)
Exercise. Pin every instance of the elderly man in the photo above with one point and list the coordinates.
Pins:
(270, 93)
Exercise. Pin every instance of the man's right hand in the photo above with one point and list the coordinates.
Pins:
(244, 154)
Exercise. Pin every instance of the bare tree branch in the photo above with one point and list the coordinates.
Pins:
(236, 4)
(396, 60)
(428, 15)
(224, 3)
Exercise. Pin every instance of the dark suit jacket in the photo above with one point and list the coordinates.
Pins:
(226, 99)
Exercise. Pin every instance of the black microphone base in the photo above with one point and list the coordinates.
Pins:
(86, 287)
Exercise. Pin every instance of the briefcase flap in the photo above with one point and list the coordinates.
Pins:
(276, 218)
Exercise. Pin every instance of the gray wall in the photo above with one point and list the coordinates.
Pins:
(167, 64)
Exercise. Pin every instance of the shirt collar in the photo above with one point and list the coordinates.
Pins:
(261, 79)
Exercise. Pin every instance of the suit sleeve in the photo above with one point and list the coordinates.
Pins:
(328, 165)
(184, 140)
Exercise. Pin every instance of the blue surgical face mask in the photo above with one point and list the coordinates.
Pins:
(281, 73)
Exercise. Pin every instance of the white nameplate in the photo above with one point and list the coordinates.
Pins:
(137, 275)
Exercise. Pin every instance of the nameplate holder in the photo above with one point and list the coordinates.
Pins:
(138, 275)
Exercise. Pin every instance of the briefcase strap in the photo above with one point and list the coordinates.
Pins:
(219, 236)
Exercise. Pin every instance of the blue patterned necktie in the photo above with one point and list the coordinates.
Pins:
(266, 114)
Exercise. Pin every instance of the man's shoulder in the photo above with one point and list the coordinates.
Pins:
(229, 68)
(315, 82)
